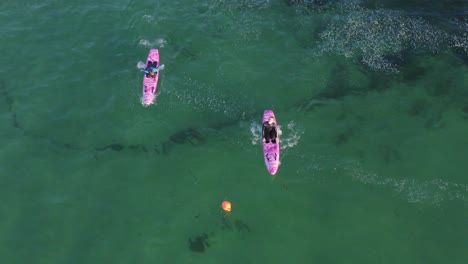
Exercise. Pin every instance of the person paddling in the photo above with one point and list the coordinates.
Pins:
(151, 70)
(270, 131)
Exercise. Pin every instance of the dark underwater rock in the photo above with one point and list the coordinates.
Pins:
(419, 107)
(199, 243)
(343, 136)
(309, 3)
(389, 153)
(114, 147)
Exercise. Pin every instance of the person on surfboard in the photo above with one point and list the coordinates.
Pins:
(270, 131)
(152, 69)
(152, 72)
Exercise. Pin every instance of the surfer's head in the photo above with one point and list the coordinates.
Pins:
(271, 120)
(152, 72)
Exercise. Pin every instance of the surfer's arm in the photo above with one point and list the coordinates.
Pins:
(263, 132)
(144, 70)
(161, 67)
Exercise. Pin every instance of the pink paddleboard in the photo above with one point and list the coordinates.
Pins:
(150, 84)
(271, 152)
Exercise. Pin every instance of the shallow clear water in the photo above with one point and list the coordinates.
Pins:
(371, 97)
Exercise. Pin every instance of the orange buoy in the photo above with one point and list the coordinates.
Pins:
(226, 205)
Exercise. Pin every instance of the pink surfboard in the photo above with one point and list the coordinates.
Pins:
(271, 151)
(150, 84)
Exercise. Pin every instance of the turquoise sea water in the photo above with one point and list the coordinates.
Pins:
(371, 97)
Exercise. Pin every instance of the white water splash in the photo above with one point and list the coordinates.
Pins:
(148, 18)
(141, 65)
(148, 105)
(159, 43)
(145, 42)
(293, 134)
(256, 131)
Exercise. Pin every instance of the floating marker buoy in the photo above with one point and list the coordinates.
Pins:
(226, 205)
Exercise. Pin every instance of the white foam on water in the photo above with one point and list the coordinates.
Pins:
(374, 35)
(145, 42)
(256, 131)
(153, 19)
(152, 103)
(141, 65)
(462, 40)
(432, 191)
(148, 18)
(293, 135)
(159, 43)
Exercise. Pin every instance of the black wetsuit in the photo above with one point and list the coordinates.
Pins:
(269, 132)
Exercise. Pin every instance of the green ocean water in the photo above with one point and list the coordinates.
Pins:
(371, 97)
